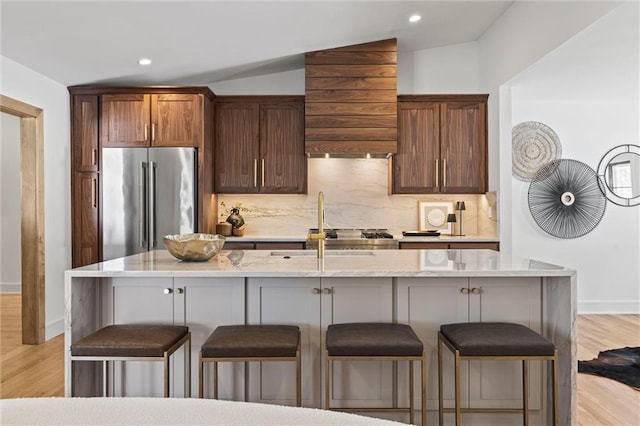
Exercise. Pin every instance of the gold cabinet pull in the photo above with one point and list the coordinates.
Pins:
(94, 156)
(326, 291)
(146, 132)
(437, 174)
(255, 172)
(315, 290)
(262, 171)
(94, 192)
(475, 290)
(444, 173)
(153, 132)
(167, 291)
(464, 290)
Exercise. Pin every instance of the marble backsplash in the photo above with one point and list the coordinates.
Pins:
(356, 196)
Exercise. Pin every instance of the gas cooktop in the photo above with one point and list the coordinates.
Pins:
(368, 233)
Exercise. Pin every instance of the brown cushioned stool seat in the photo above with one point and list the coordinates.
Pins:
(244, 343)
(495, 341)
(373, 339)
(135, 342)
(376, 342)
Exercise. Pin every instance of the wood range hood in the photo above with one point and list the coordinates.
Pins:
(351, 100)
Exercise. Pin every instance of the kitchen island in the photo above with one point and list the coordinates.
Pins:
(423, 288)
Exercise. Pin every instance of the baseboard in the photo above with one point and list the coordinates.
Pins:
(609, 307)
(10, 288)
(54, 328)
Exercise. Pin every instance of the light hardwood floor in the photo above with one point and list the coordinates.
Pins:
(38, 371)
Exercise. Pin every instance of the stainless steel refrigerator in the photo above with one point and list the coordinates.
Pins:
(147, 193)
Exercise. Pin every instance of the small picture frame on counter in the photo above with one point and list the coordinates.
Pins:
(432, 216)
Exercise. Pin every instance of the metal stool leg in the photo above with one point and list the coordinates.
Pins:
(200, 376)
(457, 385)
(167, 372)
(556, 407)
(440, 397)
(215, 380)
(298, 379)
(326, 380)
(187, 366)
(411, 392)
(424, 388)
(525, 392)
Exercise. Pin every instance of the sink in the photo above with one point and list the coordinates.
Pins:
(327, 253)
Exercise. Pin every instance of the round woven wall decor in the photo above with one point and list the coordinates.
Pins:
(565, 199)
(534, 144)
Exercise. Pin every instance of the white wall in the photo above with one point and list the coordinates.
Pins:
(588, 91)
(23, 84)
(10, 272)
(283, 83)
(522, 35)
(450, 69)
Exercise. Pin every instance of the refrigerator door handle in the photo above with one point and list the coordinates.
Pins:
(152, 204)
(143, 204)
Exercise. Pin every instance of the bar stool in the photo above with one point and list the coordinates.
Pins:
(245, 343)
(495, 341)
(135, 342)
(376, 342)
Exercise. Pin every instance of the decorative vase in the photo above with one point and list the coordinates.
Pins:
(224, 228)
(235, 219)
(238, 232)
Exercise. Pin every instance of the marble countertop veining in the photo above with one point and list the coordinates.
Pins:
(337, 263)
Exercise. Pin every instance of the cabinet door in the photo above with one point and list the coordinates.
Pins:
(84, 136)
(499, 383)
(176, 120)
(142, 300)
(463, 148)
(475, 246)
(363, 383)
(86, 247)
(426, 304)
(415, 165)
(294, 301)
(203, 304)
(237, 147)
(125, 120)
(283, 164)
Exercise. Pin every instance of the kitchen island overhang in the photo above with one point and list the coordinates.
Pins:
(89, 297)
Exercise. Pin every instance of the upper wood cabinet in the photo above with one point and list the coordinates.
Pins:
(140, 120)
(442, 144)
(84, 130)
(260, 145)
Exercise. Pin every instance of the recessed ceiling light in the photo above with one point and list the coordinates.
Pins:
(144, 61)
(415, 18)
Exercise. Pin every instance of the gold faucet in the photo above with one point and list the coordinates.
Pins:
(321, 236)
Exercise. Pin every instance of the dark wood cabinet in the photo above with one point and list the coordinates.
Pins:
(84, 129)
(133, 117)
(260, 145)
(442, 145)
(142, 120)
(86, 247)
(85, 243)
(444, 245)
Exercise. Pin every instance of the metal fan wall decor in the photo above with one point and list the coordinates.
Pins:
(565, 199)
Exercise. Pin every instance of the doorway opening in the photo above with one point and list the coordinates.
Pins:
(31, 216)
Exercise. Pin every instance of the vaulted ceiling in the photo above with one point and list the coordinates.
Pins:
(202, 42)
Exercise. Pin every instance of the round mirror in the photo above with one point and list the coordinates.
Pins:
(619, 175)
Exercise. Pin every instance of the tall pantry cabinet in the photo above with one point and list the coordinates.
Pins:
(132, 117)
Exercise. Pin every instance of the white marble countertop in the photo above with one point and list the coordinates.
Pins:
(337, 263)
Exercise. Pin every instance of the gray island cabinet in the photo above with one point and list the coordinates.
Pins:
(423, 288)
